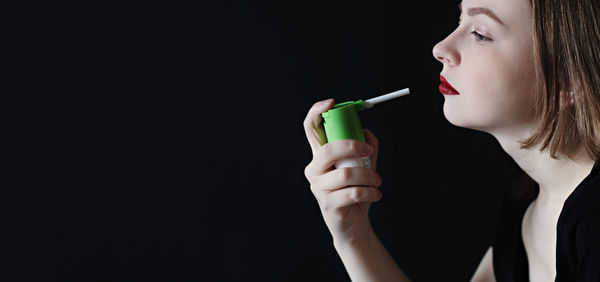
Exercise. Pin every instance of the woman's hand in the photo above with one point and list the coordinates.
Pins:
(345, 194)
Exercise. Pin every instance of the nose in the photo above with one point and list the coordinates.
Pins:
(446, 53)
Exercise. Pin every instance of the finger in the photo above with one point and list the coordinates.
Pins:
(350, 196)
(312, 124)
(327, 155)
(347, 176)
(373, 141)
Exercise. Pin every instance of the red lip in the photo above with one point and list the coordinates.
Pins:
(446, 88)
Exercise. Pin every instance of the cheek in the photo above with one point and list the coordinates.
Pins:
(496, 93)
(517, 86)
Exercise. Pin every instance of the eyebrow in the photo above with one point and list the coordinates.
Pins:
(480, 10)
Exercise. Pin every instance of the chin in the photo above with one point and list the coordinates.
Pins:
(453, 115)
(463, 118)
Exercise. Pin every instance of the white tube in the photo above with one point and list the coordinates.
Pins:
(369, 103)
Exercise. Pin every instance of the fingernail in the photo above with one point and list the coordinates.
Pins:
(326, 102)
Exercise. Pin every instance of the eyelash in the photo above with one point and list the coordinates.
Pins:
(476, 34)
(480, 37)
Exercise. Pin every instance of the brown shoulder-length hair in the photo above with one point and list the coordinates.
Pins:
(566, 45)
(567, 60)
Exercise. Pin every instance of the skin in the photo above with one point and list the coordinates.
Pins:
(494, 72)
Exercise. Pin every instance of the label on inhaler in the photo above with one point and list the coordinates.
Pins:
(364, 162)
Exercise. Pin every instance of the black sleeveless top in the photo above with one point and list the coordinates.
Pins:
(577, 237)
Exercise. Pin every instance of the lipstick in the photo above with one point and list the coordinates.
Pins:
(446, 88)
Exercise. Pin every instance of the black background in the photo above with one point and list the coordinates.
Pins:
(181, 149)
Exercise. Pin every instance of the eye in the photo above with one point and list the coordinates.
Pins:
(480, 37)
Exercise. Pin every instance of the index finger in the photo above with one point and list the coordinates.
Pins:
(315, 133)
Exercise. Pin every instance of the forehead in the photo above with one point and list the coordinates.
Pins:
(511, 12)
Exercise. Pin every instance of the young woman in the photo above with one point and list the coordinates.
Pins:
(528, 73)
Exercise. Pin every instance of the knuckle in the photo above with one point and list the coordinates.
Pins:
(353, 146)
(378, 179)
(325, 150)
(307, 171)
(356, 194)
(344, 174)
(307, 122)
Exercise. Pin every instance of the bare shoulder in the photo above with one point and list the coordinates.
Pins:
(485, 270)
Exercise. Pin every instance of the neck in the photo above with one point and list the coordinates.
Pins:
(557, 178)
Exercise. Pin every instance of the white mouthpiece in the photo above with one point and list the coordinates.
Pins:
(369, 103)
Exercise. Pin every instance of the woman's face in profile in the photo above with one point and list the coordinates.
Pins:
(488, 59)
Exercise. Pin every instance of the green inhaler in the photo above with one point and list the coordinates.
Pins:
(342, 122)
